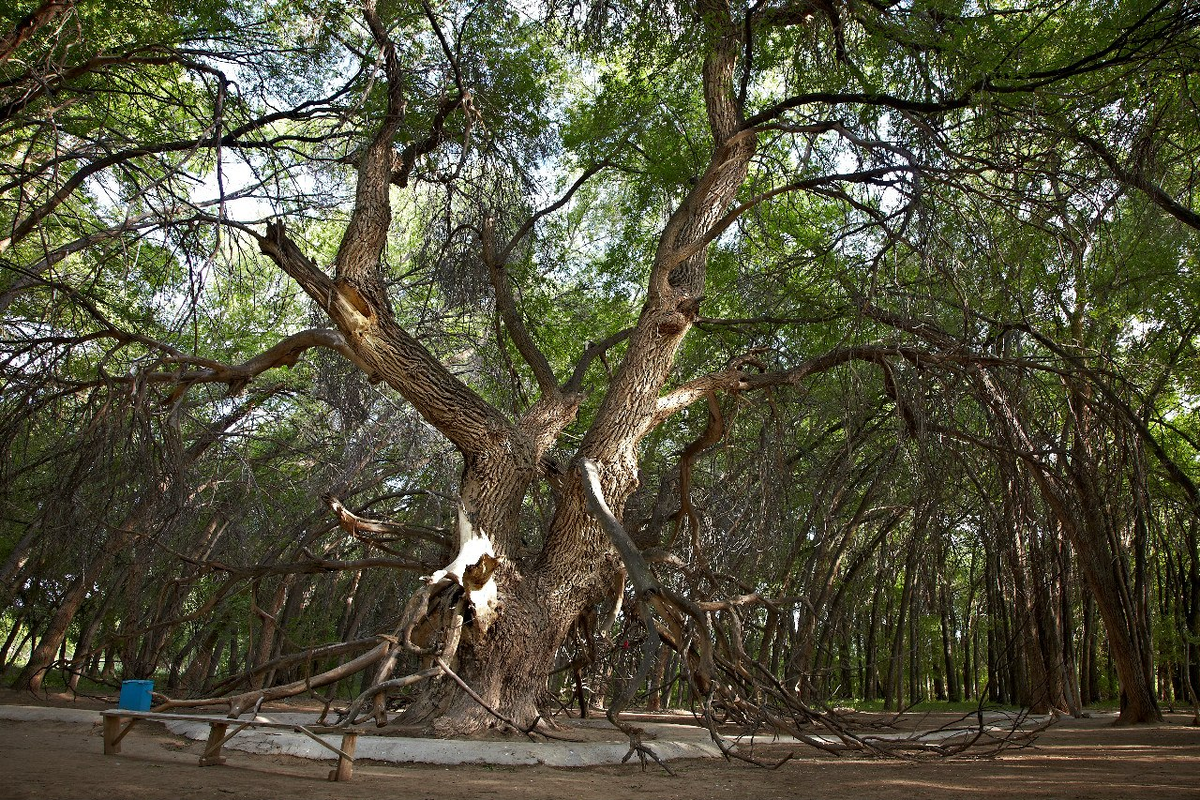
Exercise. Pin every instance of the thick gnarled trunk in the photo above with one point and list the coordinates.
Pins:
(507, 658)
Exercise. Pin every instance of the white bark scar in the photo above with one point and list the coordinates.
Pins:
(469, 553)
(474, 546)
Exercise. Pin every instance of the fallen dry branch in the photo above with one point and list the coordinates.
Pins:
(475, 696)
(239, 703)
(306, 656)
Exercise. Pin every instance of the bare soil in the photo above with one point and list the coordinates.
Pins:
(1085, 758)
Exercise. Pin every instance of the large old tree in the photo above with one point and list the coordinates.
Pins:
(576, 172)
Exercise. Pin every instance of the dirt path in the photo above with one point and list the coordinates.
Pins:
(1075, 759)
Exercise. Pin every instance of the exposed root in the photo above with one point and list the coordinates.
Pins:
(638, 747)
(528, 731)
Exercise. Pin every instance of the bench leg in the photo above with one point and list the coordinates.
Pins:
(212, 749)
(112, 736)
(345, 765)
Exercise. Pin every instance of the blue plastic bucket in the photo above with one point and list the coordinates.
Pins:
(135, 695)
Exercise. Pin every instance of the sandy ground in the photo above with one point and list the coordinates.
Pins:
(1086, 758)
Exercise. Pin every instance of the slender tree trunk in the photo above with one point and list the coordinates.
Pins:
(269, 629)
(54, 635)
(199, 669)
(1192, 606)
(870, 649)
(846, 661)
(14, 565)
(1089, 679)
(915, 691)
(1126, 640)
(995, 626)
(953, 691)
(893, 697)
(1069, 661)
(13, 632)
(87, 638)
(970, 638)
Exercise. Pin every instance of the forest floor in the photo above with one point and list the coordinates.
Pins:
(1074, 758)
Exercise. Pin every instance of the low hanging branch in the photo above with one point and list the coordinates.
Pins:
(443, 599)
(711, 649)
(645, 588)
(387, 648)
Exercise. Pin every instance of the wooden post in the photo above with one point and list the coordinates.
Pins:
(345, 765)
(112, 735)
(212, 749)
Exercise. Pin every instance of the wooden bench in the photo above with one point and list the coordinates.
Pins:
(218, 735)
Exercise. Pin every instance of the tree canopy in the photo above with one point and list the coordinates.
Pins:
(751, 354)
